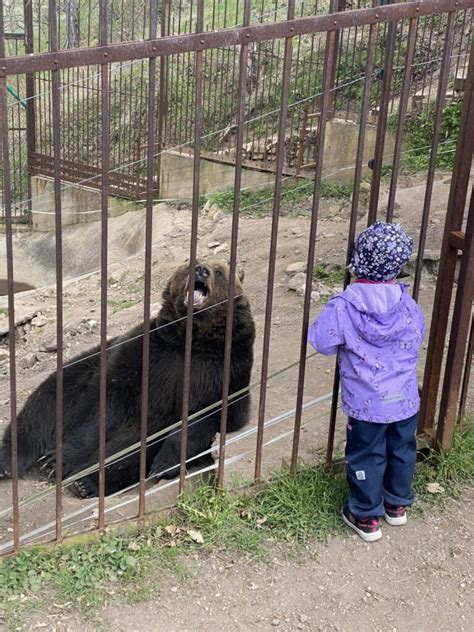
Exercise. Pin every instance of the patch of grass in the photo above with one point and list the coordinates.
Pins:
(224, 519)
(3, 311)
(451, 471)
(118, 306)
(295, 509)
(82, 573)
(259, 203)
(331, 276)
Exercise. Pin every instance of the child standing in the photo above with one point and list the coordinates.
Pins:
(377, 328)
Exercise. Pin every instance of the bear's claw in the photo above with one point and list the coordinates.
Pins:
(82, 490)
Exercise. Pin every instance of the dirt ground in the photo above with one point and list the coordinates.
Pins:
(419, 577)
(409, 578)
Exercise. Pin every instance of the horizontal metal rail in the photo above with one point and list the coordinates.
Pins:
(127, 51)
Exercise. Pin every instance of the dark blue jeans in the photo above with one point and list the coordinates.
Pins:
(380, 463)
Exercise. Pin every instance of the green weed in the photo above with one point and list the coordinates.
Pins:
(295, 509)
(330, 275)
(118, 306)
(259, 203)
(419, 136)
(223, 519)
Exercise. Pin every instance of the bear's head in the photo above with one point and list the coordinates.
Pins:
(211, 290)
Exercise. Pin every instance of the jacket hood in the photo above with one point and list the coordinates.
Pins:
(375, 310)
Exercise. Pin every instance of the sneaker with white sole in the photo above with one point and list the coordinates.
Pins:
(395, 516)
(366, 528)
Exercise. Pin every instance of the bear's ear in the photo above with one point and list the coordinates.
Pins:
(241, 274)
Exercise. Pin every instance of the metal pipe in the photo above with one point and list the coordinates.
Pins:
(287, 62)
(148, 256)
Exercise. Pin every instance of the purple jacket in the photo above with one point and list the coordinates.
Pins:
(378, 330)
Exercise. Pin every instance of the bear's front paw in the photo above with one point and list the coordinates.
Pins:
(84, 488)
(160, 469)
(48, 464)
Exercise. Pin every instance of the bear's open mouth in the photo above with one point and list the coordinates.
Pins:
(200, 294)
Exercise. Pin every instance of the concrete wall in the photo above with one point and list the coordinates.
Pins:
(79, 204)
(341, 149)
(177, 177)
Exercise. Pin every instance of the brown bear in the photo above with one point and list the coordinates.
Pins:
(37, 420)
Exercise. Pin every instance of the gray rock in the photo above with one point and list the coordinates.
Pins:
(315, 296)
(39, 321)
(294, 268)
(50, 347)
(297, 281)
(28, 361)
(4, 354)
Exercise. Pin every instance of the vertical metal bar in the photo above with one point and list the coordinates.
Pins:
(331, 51)
(422, 39)
(300, 152)
(297, 66)
(56, 120)
(459, 333)
(162, 106)
(382, 122)
(169, 73)
(269, 120)
(7, 202)
(402, 117)
(462, 30)
(352, 74)
(193, 248)
(30, 94)
(148, 248)
(209, 72)
(188, 87)
(273, 240)
(467, 372)
(233, 246)
(435, 48)
(369, 69)
(448, 256)
(440, 102)
(334, 7)
(105, 151)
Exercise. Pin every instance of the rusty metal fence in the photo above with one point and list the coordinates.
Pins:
(60, 66)
(129, 20)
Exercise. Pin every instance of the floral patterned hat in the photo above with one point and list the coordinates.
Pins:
(380, 252)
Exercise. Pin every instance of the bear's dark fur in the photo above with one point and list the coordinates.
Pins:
(36, 422)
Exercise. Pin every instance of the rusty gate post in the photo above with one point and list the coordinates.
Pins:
(459, 333)
(448, 257)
